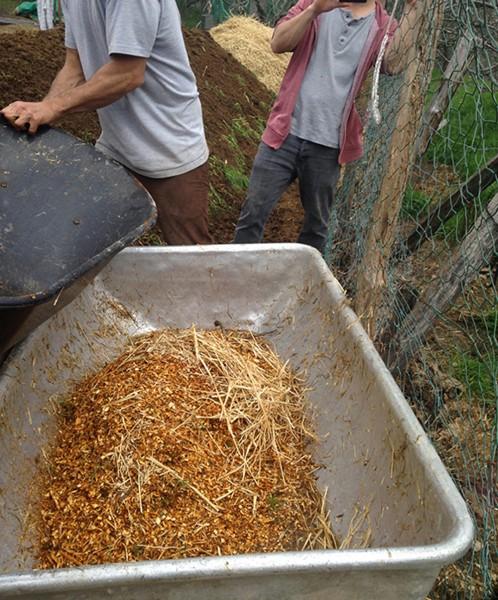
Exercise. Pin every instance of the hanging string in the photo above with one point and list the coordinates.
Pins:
(375, 87)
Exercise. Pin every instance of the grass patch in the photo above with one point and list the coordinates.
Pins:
(456, 228)
(470, 136)
(478, 374)
(238, 180)
(274, 502)
(242, 129)
(231, 139)
(489, 323)
(87, 137)
(466, 142)
(234, 174)
(235, 170)
(415, 204)
(215, 164)
(478, 368)
(484, 323)
(217, 204)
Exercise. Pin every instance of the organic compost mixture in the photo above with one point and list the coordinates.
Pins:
(190, 443)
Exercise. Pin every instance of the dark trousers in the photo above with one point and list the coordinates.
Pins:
(317, 169)
(182, 206)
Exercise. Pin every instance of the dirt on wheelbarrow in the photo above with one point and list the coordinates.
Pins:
(235, 107)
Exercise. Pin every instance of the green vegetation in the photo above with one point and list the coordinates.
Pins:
(274, 502)
(216, 203)
(234, 174)
(236, 178)
(242, 129)
(470, 136)
(488, 323)
(477, 369)
(191, 15)
(455, 229)
(87, 137)
(478, 374)
(415, 204)
(218, 91)
(7, 7)
(235, 171)
(466, 142)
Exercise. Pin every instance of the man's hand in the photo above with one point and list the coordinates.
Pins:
(30, 115)
(320, 6)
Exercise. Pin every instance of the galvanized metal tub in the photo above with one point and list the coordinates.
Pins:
(378, 463)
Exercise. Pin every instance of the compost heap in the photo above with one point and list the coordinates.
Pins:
(235, 108)
(248, 40)
(189, 444)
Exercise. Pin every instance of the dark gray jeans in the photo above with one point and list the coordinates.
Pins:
(317, 170)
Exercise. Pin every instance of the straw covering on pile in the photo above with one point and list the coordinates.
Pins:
(191, 443)
(248, 41)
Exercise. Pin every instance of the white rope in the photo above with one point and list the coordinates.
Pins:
(375, 87)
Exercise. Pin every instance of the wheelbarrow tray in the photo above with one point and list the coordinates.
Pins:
(65, 209)
(377, 460)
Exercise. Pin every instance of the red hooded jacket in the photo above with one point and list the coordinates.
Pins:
(279, 121)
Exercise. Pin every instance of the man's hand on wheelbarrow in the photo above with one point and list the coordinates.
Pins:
(29, 116)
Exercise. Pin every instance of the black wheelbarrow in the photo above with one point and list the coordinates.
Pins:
(65, 211)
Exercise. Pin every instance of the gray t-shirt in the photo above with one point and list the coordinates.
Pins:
(329, 76)
(156, 129)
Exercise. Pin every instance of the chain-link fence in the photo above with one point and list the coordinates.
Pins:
(414, 240)
(416, 246)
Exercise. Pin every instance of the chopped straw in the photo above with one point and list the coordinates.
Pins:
(191, 443)
(248, 40)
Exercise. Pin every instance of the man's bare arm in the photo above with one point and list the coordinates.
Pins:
(121, 75)
(288, 34)
(70, 76)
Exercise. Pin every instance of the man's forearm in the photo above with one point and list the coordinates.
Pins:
(106, 86)
(115, 79)
(65, 80)
(288, 34)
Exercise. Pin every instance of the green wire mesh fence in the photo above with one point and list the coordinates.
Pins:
(414, 241)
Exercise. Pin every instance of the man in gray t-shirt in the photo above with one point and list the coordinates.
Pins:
(127, 59)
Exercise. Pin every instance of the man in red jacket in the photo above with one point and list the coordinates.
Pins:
(314, 126)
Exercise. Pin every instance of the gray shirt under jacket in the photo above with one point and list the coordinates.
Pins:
(329, 76)
(157, 129)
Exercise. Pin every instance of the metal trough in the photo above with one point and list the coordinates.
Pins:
(377, 460)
